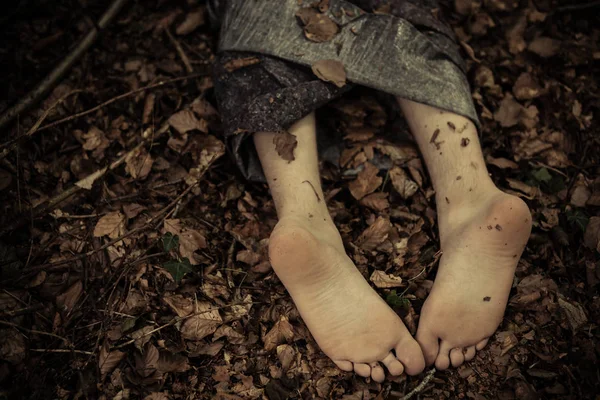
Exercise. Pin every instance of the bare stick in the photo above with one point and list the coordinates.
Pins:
(419, 388)
(180, 52)
(120, 97)
(53, 77)
(35, 332)
(87, 353)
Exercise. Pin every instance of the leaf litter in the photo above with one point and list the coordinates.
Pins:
(136, 320)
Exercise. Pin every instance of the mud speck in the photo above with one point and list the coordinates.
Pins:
(487, 298)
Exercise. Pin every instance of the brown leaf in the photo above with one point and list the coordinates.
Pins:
(111, 224)
(285, 144)
(132, 210)
(192, 20)
(501, 162)
(509, 112)
(317, 27)
(169, 362)
(330, 71)
(231, 334)
(285, 354)
(376, 201)
(182, 306)
(206, 349)
(146, 362)
(544, 46)
(221, 373)
(138, 163)
(66, 301)
(95, 140)
(157, 396)
(526, 88)
(463, 7)
(591, 238)
(189, 240)
(107, 361)
(374, 235)
(281, 332)
(238, 63)
(12, 346)
(514, 35)
(366, 182)
(402, 183)
(383, 281)
(205, 322)
(574, 312)
(185, 121)
(142, 336)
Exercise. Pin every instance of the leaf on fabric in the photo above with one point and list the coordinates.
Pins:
(383, 281)
(366, 182)
(111, 225)
(330, 71)
(205, 322)
(185, 121)
(318, 27)
(374, 235)
(281, 332)
(405, 186)
(285, 144)
(238, 63)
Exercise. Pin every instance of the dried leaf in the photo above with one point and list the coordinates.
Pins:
(138, 163)
(87, 182)
(182, 306)
(281, 332)
(192, 20)
(12, 346)
(591, 238)
(501, 162)
(330, 71)
(238, 63)
(107, 361)
(402, 183)
(544, 46)
(574, 312)
(317, 27)
(285, 144)
(509, 112)
(66, 301)
(285, 354)
(366, 182)
(132, 210)
(111, 224)
(374, 235)
(376, 201)
(95, 140)
(383, 281)
(526, 88)
(157, 396)
(231, 334)
(185, 121)
(205, 322)
(142, 336)
(146, 363)
(169, 362)
(189, 240)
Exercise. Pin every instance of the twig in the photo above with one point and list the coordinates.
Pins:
(53, 77)
(87, 353)
(576, 7)
(21, 311)
(121, 97)
(180, 52)
(419, 387)
(35, 332)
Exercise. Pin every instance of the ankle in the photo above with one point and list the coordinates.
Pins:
(320, 225)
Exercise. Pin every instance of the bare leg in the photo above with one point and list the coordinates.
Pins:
(483, 232)
(349, 321)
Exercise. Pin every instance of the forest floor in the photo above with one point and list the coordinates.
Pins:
(150, 278)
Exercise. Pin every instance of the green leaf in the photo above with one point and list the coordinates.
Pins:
(178, 269)
(394, 300)
(578, 219)
(541, 175)
(170, 241)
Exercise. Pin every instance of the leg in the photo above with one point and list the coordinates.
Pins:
(483, 232)
(349, 321)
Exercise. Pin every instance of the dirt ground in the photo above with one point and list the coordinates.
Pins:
(134, 262)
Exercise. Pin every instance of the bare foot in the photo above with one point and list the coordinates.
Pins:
(350, 322)
(481, 247)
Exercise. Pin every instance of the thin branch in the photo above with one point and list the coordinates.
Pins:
(121, 97)
(419, 387)
(180, 52)
(54, 76)
(21, 311)
(35, 332)
(87, 353)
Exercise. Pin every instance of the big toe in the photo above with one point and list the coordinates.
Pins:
(429, 344)
(377, 372)
(410, 355)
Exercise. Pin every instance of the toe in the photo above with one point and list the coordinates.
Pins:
(411, 356)
(482, 344)
(377, 372)
(393, 365)
(470, 353)
(362, 369)
(344, 365)
(442, 360)
(429, 344)
(457, 357)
